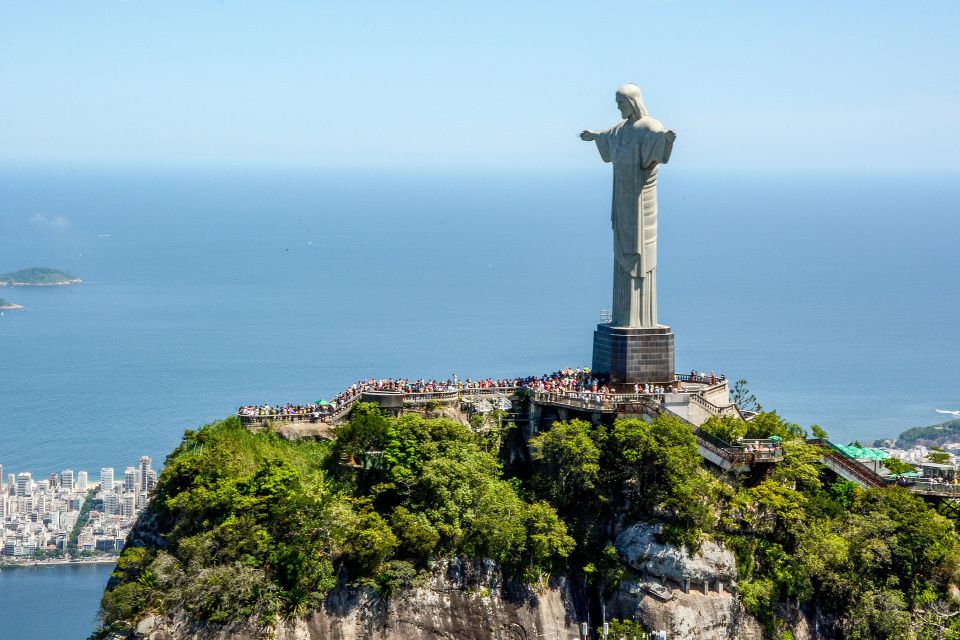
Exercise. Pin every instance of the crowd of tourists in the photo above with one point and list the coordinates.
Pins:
(706, 378)
(579, 383)
(278, 411)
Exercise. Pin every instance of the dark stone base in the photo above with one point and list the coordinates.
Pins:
(386, 399)
(627, 355)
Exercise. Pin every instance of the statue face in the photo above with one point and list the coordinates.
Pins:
(624, 105)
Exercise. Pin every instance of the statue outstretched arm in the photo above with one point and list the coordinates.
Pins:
(602, 138)
(668, 145)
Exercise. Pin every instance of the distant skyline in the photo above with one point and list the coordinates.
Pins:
(493, 85)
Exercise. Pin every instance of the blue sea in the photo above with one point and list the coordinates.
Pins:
(836, 296)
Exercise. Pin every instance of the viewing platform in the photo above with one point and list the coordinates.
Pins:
(694, 398)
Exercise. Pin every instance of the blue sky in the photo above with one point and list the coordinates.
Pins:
(477, 85)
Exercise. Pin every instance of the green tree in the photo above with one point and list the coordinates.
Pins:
(768, 423)
(728, 428)
(625, 630)
(819, 432)
(656, 470)
(567, 462)
(741, 396)
(368, 541)
(896, 466)
(365, 432)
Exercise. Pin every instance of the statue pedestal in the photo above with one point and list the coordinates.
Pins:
(628, 355)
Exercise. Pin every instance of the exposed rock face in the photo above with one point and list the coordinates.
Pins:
(688, 596)
(464, 600)
(684, 616)
(461, 601)
(639, 547)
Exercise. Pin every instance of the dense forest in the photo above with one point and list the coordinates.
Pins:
(247, 525)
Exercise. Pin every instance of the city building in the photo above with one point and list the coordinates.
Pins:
(145, 468)
(40, 516)
(66, 480)
(130, 479)
(111, 503)
(128, 505)
(106, 479)
(24, 484)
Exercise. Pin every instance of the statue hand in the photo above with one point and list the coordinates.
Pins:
(588, 135)
(671, 135)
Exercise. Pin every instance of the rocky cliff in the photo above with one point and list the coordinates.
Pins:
(460, 600)
(686, 595)
(689, 596)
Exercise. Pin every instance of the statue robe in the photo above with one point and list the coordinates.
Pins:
(635, 149)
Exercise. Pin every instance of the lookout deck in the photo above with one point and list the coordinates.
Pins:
(690, 400)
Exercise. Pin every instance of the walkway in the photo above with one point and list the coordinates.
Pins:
(740, 458)
(850, 469)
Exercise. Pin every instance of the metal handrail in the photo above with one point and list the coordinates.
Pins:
(488, 391)
(430, 396)
(854, 467)
(686, 377)
(926, 486)
(738, 453)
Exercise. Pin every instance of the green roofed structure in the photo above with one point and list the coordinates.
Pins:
(861, 453)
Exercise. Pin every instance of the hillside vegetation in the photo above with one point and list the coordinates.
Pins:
(936, 434)
(251, 526)
(37, 276)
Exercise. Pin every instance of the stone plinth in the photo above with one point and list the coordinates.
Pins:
(628, 355)
(386, 399)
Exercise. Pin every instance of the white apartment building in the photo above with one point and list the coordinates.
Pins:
(24, 484)
(106, 479)
(145, 469)
(130, 479)
(66, 479)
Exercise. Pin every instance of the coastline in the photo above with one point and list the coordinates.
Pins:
(62, 283)
(59, 562)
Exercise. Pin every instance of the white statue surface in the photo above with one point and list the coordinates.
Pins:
(637, 146)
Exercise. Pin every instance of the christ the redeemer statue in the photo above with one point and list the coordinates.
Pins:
(637, 146)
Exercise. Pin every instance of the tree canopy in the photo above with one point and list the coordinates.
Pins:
(279, 523)
(251, 526)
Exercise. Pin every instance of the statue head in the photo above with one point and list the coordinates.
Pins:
(630, 102)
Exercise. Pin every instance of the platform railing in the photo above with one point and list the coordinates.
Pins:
(443, 397)
(488, 391)
(927, 486)
(761, 450)
(581, 400)
(713, 409)
(697, 378)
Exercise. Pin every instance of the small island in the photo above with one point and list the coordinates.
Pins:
(38, 277)
(9, 306)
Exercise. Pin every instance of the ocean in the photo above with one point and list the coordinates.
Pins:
(836, 296)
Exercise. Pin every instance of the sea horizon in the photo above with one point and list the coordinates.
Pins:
(782, 284)
(203, 292)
